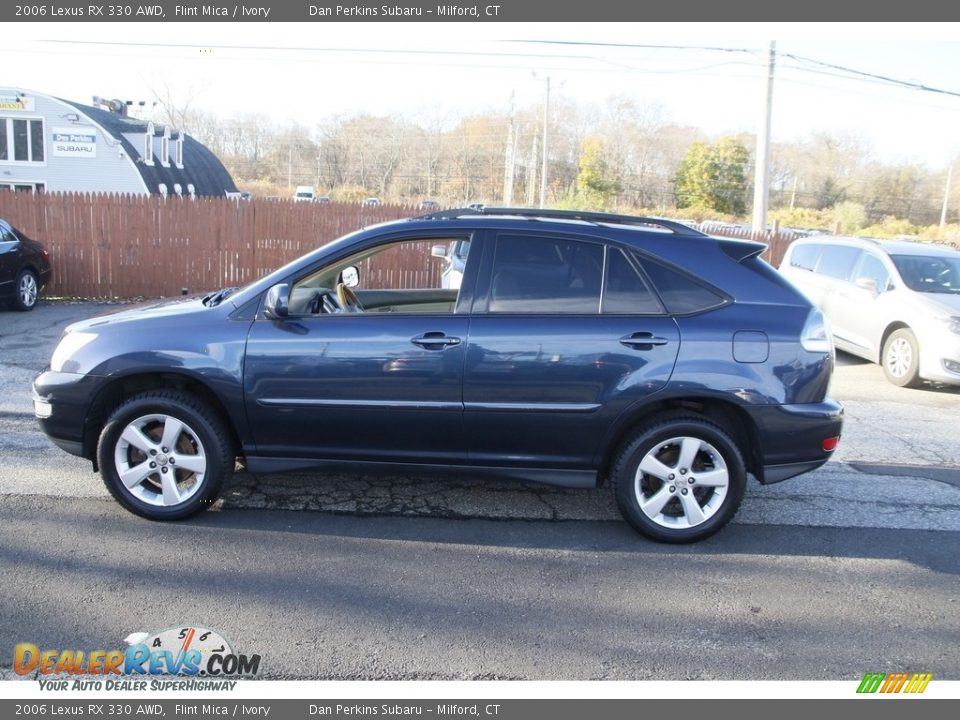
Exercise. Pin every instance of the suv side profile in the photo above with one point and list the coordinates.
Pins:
(893, 303)
(577, 349)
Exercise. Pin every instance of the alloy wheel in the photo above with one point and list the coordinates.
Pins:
(160, 460)
(681, 483)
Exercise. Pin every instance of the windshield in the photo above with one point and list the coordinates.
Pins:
(929, 274)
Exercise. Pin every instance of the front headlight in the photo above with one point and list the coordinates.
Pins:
(69, 345)
(952, 322)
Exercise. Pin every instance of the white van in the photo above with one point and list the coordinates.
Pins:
(893, 303)
(304, 193)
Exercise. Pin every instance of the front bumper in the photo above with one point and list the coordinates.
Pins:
(61, 404)
(940, 357)
(792, 437)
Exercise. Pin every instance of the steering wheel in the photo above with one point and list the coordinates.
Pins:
(348, 300)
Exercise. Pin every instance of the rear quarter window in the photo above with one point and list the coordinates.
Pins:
(680, 293)
(805, 257)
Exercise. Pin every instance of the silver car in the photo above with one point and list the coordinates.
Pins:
(893, 303)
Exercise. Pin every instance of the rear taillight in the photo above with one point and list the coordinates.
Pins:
(830, 443)
(816, 335)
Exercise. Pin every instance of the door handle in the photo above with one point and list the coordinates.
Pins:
(642, 340)
(435, 341)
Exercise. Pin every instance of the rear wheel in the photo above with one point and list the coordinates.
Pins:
(165, 455)
(27, 290)
(901, 359)
(679, 479)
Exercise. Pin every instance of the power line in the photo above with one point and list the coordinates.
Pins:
(874, 76)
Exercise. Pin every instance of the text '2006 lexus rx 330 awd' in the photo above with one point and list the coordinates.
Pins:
(575, 349)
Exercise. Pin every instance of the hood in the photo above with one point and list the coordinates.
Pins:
(940, 303)
(154, 309)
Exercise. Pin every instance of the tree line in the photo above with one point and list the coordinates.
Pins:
(623, 155)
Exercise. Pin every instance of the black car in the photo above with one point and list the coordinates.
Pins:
(577, 349)
(24, 268)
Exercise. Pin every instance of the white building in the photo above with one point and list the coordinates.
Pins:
(55, 145)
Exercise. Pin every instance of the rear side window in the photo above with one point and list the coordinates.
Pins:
(805, 256)
(837, 261)
(535, 274)
(625, 292)
(680, 293)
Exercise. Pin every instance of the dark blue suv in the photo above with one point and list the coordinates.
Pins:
(573, 349)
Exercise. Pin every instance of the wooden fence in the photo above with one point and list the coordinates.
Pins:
(136, 245)
(149, 246)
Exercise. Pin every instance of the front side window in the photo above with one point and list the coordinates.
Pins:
(401, 276)
(536, 274)
(929, 274)
(871, 267)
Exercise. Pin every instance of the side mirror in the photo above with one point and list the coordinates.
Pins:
(867, 283)
(439, 251)
(350, 276)
(277, 304)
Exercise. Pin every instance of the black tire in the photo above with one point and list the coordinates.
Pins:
(26, 290)
(901, 359)
(204, 439)
(662, 441)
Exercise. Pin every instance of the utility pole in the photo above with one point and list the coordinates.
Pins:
(532, 170)
(509, 161)
(762, 171)
(946, 197)
(543, 170)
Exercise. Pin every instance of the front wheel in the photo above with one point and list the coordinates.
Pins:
(165, 455)
(901, 359)
(679, 479)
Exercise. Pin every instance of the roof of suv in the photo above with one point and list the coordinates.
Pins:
(890, 247)
(574, 216)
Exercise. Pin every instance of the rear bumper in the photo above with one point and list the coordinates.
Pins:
(792, 437)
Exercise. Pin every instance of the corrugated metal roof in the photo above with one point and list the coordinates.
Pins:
(201, 168)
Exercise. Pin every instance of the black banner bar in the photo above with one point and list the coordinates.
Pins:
(324, 11)
(449, 709)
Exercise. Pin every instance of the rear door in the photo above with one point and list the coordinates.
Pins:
(565, 334)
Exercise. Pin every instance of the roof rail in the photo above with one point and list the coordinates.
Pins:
(598, 218)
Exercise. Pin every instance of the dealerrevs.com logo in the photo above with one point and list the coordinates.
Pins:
(184, 651)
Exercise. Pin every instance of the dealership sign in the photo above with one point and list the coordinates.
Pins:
(79, 141)
(16, 102)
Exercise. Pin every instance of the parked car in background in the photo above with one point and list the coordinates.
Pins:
(428, 205)
(371, 202)
(454, 255)
(892, 302)
(579, 349)
(24, 268)
(304, 193)
(322, 200)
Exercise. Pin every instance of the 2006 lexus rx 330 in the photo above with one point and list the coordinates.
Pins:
(579, 349)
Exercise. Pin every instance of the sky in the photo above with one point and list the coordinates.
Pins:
(306, 72)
